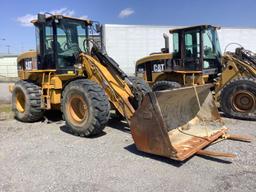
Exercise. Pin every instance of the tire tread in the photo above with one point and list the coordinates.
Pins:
(247, 82)
(33, 106)
(100, 105)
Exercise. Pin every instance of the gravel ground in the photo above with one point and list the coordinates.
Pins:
(43, 157)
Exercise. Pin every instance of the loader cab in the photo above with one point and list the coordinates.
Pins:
(60, 40)
(196, 48)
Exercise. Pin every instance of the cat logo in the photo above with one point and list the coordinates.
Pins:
(158, 67)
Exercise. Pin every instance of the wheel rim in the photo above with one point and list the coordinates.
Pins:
(77, 109)
(20, 101)
(243, 101)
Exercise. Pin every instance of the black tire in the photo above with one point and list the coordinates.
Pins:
(231, 96)
(26, 102)
(92, 117)
(165, 85)
(141, 89)
(140, 84)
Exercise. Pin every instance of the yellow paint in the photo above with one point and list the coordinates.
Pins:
(10, 87)
(154, 57)
(70, 72)
(116, 89)
(55, 96)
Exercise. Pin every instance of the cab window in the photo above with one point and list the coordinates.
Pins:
(192, 44)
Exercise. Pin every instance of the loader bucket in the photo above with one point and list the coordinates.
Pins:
(177, 123)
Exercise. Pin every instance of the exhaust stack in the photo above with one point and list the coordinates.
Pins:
(166, 48)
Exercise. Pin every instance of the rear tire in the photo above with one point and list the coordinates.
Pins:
(85, 107)
(238, 99)
(165, 85)
(140, 84)
(26, 102)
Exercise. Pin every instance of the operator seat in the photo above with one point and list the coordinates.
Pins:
(58, 46)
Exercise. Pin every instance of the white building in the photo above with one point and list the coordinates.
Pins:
(8, 66)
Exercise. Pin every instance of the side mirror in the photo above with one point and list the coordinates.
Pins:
(41, 18)
(98, 27)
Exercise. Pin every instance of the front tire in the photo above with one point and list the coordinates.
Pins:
(26, 102)
(142, 86)
(238, 99)
(165, 85)
(85, 107)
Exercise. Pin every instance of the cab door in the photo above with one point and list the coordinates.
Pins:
(192, 50)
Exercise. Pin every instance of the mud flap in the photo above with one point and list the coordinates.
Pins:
(177, 123)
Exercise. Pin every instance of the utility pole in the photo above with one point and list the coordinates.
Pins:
(8, 49)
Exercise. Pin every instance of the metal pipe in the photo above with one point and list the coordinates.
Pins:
(166, 42)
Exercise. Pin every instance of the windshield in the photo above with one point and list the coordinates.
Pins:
(211, 49)
(211, 44)
(71, 36)
(94, 35)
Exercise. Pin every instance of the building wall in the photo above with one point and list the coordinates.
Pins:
(8, 66)
(244, 36)
(128, 43)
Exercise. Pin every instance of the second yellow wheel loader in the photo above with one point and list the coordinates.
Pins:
(197, 59)
(71, 73)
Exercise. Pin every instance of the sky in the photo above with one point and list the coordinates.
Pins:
(18, 34)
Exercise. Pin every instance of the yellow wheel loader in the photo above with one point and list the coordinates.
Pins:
(197, 59)
(72, 73)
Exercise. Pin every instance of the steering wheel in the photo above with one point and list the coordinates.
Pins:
(48, 43)
(72, 49)
(64, 45)
(207, 50)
